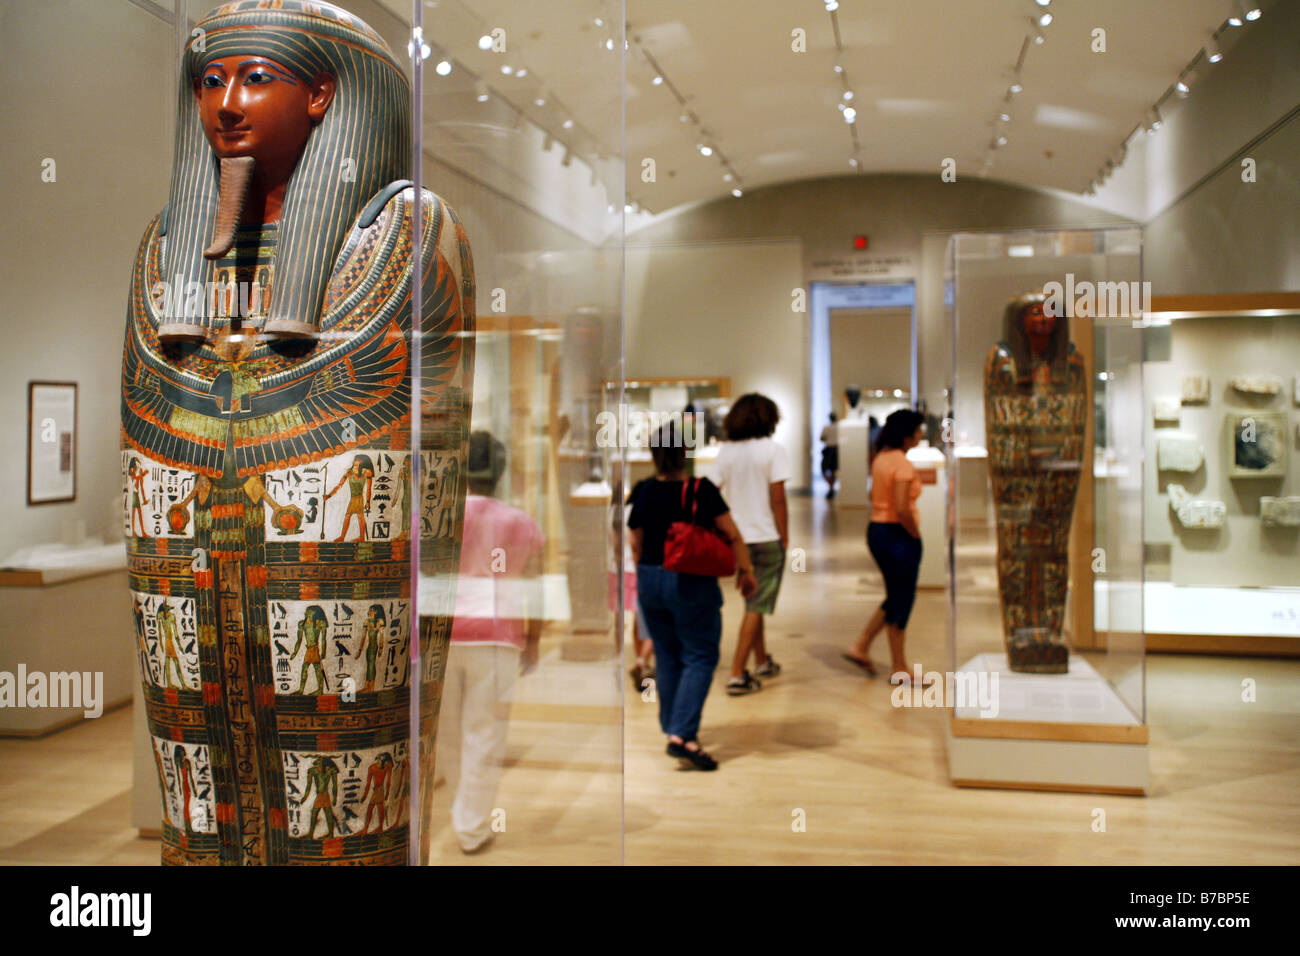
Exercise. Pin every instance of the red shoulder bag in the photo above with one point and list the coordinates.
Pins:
(691, 549)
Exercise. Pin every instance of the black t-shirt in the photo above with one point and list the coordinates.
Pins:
(657, 504)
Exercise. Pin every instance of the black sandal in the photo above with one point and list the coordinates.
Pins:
(699, 758)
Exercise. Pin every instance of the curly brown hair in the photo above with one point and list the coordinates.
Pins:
(752, 416)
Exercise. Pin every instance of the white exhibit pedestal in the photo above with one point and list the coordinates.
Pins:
(934, 531)
(1068, 732)
(854, 436)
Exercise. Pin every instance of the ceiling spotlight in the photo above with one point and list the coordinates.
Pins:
(567, 124)
(850, 114)
(1045, 20)
(1182, 89)
(1254, 13)
(705, 149)
(609, 44)
(1212, 51)
(838, 68)
(1237, 17)
(737, 192)
(1043, 3)
(540, 99)
(1004, 117)
(443, 68)
(727, 177)
(1153, 121)
(485, 42)
(853, 161)
(627, 208)
(521, 72)
(685, 117)
(507, 69)
(658, 80)
(1039, 35)
(1001, 141)
(832, 5)
(848, 95)
(599, 22)
(481, 91)
(1014, 88)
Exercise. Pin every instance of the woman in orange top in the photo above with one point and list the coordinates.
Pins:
(894, 539)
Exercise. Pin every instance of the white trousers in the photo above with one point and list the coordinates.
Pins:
(472, 725)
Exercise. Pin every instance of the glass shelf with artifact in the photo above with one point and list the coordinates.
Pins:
(1222, 486)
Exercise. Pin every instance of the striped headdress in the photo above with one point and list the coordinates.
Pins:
(361, 146)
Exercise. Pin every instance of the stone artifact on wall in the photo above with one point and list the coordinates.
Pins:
(1256, 445)
(1035, 413)
(1166, 409)
(1280, 512)
(1196, 512)
(1178, 451)
(1196, 389)
(1265, 386)
(267, 449)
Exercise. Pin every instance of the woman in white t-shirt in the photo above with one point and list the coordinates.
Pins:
(751, 471)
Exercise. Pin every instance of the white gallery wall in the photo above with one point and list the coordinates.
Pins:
(90, 87)
(723, 309)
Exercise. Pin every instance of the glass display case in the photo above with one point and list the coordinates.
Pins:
(1044, 441)
(1222, 493)
(322, 526)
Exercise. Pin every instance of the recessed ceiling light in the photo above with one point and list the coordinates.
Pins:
(850, 114)
(567, 124)
(1237, 17)
(1015, 88)
(1182, 89)
(485, 42)
(481, 91)
(522, 71)
(1212, 51)
(1005, 117)
(507, 69)
(443, 68)
(1001, 141)
(737, 192)
(658, 80)
(848, 94)
(705, 149)
(727, 177)
(1045, 20)
(853, 161)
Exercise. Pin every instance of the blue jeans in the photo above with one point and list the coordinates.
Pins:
(683, 613)
(899, 556)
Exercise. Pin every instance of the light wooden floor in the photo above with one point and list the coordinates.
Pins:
(870, 779)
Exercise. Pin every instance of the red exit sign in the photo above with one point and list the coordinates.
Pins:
(860, 243)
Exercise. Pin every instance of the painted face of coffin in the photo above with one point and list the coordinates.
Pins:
(1038, 324)
(254, 106)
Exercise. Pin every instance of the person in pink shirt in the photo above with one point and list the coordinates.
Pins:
(494, 639)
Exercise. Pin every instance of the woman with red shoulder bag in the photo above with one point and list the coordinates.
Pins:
(683, 611)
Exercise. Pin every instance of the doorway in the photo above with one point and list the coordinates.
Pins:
(863, 335)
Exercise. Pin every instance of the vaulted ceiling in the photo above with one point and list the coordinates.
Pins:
(929, 80)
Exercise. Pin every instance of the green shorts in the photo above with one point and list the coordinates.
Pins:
(769, 561)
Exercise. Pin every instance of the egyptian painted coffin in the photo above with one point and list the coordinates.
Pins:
(1035, 414)
(272, 483)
